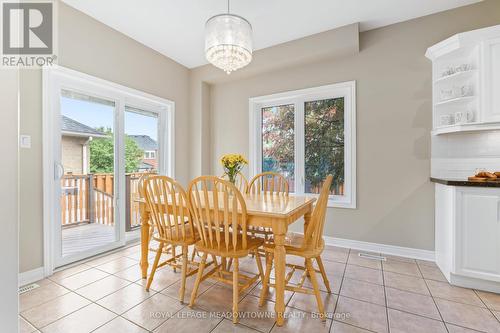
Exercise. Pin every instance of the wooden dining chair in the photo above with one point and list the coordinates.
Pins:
(309, 246)
(220, 215)
(170, 214)
(268, 183)
(241, 181)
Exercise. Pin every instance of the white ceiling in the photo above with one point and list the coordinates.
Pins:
(175, 28)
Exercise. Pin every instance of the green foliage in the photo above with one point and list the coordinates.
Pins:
(102, 154)
(324, 141)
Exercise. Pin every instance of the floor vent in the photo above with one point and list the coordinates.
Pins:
(27, 288)
(372, 256)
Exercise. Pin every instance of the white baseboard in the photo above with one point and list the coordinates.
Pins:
(28, 277)
(400, 251)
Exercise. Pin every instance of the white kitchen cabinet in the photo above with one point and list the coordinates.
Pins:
(466, 81)
(468, 235)
(491, 80)
(478, 233)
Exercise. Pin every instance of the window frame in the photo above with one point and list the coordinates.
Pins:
(298, 98)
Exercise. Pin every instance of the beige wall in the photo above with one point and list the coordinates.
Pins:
(93, 48)
(395, 197)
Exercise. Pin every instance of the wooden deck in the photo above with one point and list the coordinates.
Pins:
(84, 237)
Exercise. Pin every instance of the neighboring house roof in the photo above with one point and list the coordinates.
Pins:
(145, 142)
(73, 127)
(146, 166)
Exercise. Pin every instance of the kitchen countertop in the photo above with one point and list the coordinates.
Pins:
(465, 182)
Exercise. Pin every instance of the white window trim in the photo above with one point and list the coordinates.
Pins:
(298, 97)
(57, 78)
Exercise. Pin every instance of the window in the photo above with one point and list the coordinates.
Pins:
(306, 135)
(149, 155)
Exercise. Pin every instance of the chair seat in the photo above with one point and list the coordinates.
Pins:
(252, 244)
(177, 239)
(293, 246)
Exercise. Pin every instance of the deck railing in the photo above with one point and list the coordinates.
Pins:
(90, 199)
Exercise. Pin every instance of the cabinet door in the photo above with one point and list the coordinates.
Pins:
(478, 233)
(491, 80)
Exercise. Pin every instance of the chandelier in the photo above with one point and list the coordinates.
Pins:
(228, 41)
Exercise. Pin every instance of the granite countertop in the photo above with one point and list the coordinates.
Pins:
(465, 182)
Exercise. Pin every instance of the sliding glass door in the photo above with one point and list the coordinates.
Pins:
(100, 139)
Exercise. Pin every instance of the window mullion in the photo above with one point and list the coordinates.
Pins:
(299, 147)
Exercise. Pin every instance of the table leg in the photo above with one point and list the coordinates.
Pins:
(144, 240)
(279, 230)
(307, 219)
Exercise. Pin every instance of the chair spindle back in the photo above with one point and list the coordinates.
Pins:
(169, 208)
(268, 183)
(219, 212)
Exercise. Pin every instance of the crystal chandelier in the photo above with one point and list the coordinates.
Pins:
(228, 41)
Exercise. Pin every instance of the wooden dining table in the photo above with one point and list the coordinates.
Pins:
(276, 212)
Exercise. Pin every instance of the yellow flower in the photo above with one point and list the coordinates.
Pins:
(232, 161)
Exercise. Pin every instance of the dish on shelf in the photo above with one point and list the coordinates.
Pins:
(483, 176)
(457, 69)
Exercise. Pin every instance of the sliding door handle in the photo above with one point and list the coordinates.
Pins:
(58, 170)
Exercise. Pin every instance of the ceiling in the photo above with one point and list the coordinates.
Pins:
(175, 28)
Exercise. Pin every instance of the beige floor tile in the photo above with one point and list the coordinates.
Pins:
(163, 278)
(401, 322)
(249, 265)
(339, 254)
(468, 316)
(102, 288)
(401, 268)
(410, 302)
(217, 299)
(458, 329)
(306, 302)
(491, 300)
(132, 274)
(259, 318)
(84, 320)
(338, 327)
(299, 321)
(137, 255)
(55, 309)
(58, 276)
(173, 290)
(25, 327)
(332, 268)
(120, 325)
(426, 263)
(497, 314)
(364, 274)
(104, 259)
(405, 282)
(362, 314)
(187, 321)
(271, 295)
(117, 265)
(452, 293)
(131, 249)
(363, 291)
(153, 312)
(83, 278)
(432, 273)
(42, 294)
(226, 326)
(125, 298)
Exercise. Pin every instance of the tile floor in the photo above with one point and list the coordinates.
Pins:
(399, 295)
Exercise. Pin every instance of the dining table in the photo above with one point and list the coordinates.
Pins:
(272, 211)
